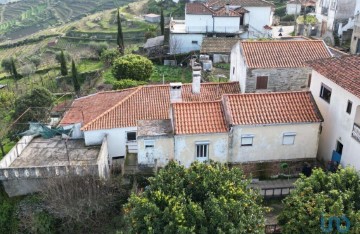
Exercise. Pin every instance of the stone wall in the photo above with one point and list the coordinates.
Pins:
(265, 170)
(279, 79)
(15, 151)
(103, 160)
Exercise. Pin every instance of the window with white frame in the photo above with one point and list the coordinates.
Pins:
(325, 93)
(289, 138)
(247, 140)
(149, 144)
(202, 149)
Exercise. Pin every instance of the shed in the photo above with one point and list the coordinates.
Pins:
(219, 48)
(152, 18)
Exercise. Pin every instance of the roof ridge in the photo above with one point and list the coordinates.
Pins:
(112, 108)
(196, 102)
(282, 41)
(115, 91)
(267, 93)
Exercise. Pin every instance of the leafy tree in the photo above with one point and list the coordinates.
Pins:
(109, 55)
(75, 80)
(7, 100)
(133, 67)
(120, 37)
(33, 106)
(162, 22)
(150, 31)
(27, 69)
(99, 47)
(205, 198)
(63, 67)
(6, 65)
(322, 195)
(127, 83)
(36, 61)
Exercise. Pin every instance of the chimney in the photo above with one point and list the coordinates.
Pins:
(227, 8)
(175, 92)
(196, 79)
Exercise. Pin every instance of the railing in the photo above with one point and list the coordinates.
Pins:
(280, 192)
(356, 132)
(208, 29)
(324, 10)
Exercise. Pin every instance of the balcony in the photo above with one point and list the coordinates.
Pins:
(356, 132)
(217, 29)
(324, 10)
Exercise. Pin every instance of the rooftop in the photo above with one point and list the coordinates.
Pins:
(271, 108)
(344, 71)
(199, 117)
(149, 102)
(283, 53)
(42, 152)
(199, 8)
(155, 41)
(154, 128)
(218, 44)
(243, 3)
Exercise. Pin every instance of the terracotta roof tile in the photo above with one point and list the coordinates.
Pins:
(197, 8)
(344, 71)
(85, 109)
(153, 102)
(243, 3)
(279, 54)
(218, 44)
(198, 117)
(271, 108)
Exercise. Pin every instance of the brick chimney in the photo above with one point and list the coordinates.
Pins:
(175, 92)
(196, 79)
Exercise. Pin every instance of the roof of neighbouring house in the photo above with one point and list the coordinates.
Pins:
(157, 127)
(271, 108)
(303, 2)
(283, 53)
(119, 109)
(155, 41)
(344, 71)
(218, 44)
(243, 3)
(198, 8)
(198, 117)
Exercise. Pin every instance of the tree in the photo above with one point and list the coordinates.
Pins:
(162, 22)
(27, 69)
(14, 72)
(7, 100)
(133, 67)
(63, 67)
(74, 75)
(120, 38)
(6, 65)
(99, 47)
(319, 197)
(36, 61)
(205, 198)
(34, 106)
(109, 55)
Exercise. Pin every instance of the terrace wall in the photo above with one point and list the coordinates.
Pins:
(15, 151)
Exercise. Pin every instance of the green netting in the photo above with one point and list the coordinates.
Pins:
(39, 129)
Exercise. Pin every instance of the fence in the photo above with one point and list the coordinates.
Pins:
(280, 192)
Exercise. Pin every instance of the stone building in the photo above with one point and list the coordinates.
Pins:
(264, 66)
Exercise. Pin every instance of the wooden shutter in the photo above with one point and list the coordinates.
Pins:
(261, 82)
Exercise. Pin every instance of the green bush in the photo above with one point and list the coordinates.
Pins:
(132, 66)
(280, 11)
(109, 55)
(127, 83)
(288, 18)
(43, 223)
(8, 222)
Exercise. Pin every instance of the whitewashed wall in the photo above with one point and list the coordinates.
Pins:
(238, 69)
(182, 43)
(198, 23)
(338, 124)
(116, 139)
(185, 147)
(258, 17)
(292, 9)
(163, 150)
(267, 142)
(226, 24)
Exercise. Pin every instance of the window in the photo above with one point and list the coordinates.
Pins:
(233, 70)
(261, 82)
(325, 93)
(202, 150)
(131, 136)
(247, 140)
(289, 138)
(149, 144)
(194, 42)
(349, 107)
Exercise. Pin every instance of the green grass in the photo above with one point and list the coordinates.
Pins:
(171, 74)
(89, 65)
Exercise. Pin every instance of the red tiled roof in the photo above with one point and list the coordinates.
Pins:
(271, 108)
(344, 71)
(197, 8)
(280, 54)
(85, 109)
(152, 102)
(198, 117)
(243, 3)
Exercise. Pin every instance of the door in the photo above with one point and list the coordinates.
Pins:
(149, 151)
(336, 157)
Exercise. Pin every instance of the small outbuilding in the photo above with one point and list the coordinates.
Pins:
(152, 18)
(219, 48)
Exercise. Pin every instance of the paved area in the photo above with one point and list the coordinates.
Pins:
(56, 152)
(287, 30)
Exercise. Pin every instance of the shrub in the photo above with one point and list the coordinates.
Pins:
(132, 66)
(127, 83)
(108, 56)
(288, 18)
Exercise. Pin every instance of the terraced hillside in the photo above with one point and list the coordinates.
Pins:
(25, 17)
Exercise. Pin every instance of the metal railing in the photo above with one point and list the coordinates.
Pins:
(279, 192)
(216, 29)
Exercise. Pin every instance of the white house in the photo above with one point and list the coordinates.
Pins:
(236, 18)
(335, 16)
(336, 90)
(295, 7)
(263, 66)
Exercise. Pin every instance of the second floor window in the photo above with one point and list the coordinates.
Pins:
(202, 150)
(261, 82)
(325, 93)
(131, 136)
